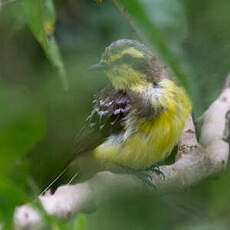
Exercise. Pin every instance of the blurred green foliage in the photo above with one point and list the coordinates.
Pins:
(40, 16)
(39, 119)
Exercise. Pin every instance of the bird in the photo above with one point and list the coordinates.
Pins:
(137, 120)
(147, 106)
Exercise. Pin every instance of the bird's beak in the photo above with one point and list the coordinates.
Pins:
(98, 66)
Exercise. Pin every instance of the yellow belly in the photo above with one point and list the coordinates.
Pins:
(152, 143)
(153, 140)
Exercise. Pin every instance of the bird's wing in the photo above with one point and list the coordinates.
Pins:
(110, 110)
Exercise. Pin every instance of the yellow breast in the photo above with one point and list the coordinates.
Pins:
(154, 138)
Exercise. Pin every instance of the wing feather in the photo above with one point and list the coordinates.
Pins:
(110, 110)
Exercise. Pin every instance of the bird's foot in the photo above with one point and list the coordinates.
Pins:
(143, 175)
(156, 169)
(146, 177)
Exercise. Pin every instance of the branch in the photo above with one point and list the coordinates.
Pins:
(194, 162)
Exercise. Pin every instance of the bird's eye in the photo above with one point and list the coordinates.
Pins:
(127, 58)
(105, 58)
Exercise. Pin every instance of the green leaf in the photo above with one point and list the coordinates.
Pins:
(80, 222)
(22, 125)
(169, 18)
(11, 195)
(40, 17)
(147, 29)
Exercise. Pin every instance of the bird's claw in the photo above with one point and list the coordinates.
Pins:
(156, 169)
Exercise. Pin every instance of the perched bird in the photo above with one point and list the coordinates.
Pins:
(136, 122)
(149, 110)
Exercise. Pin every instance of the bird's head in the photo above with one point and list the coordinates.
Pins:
(129, 64)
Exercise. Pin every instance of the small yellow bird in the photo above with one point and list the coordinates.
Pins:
(149, 108)
(136, 122)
